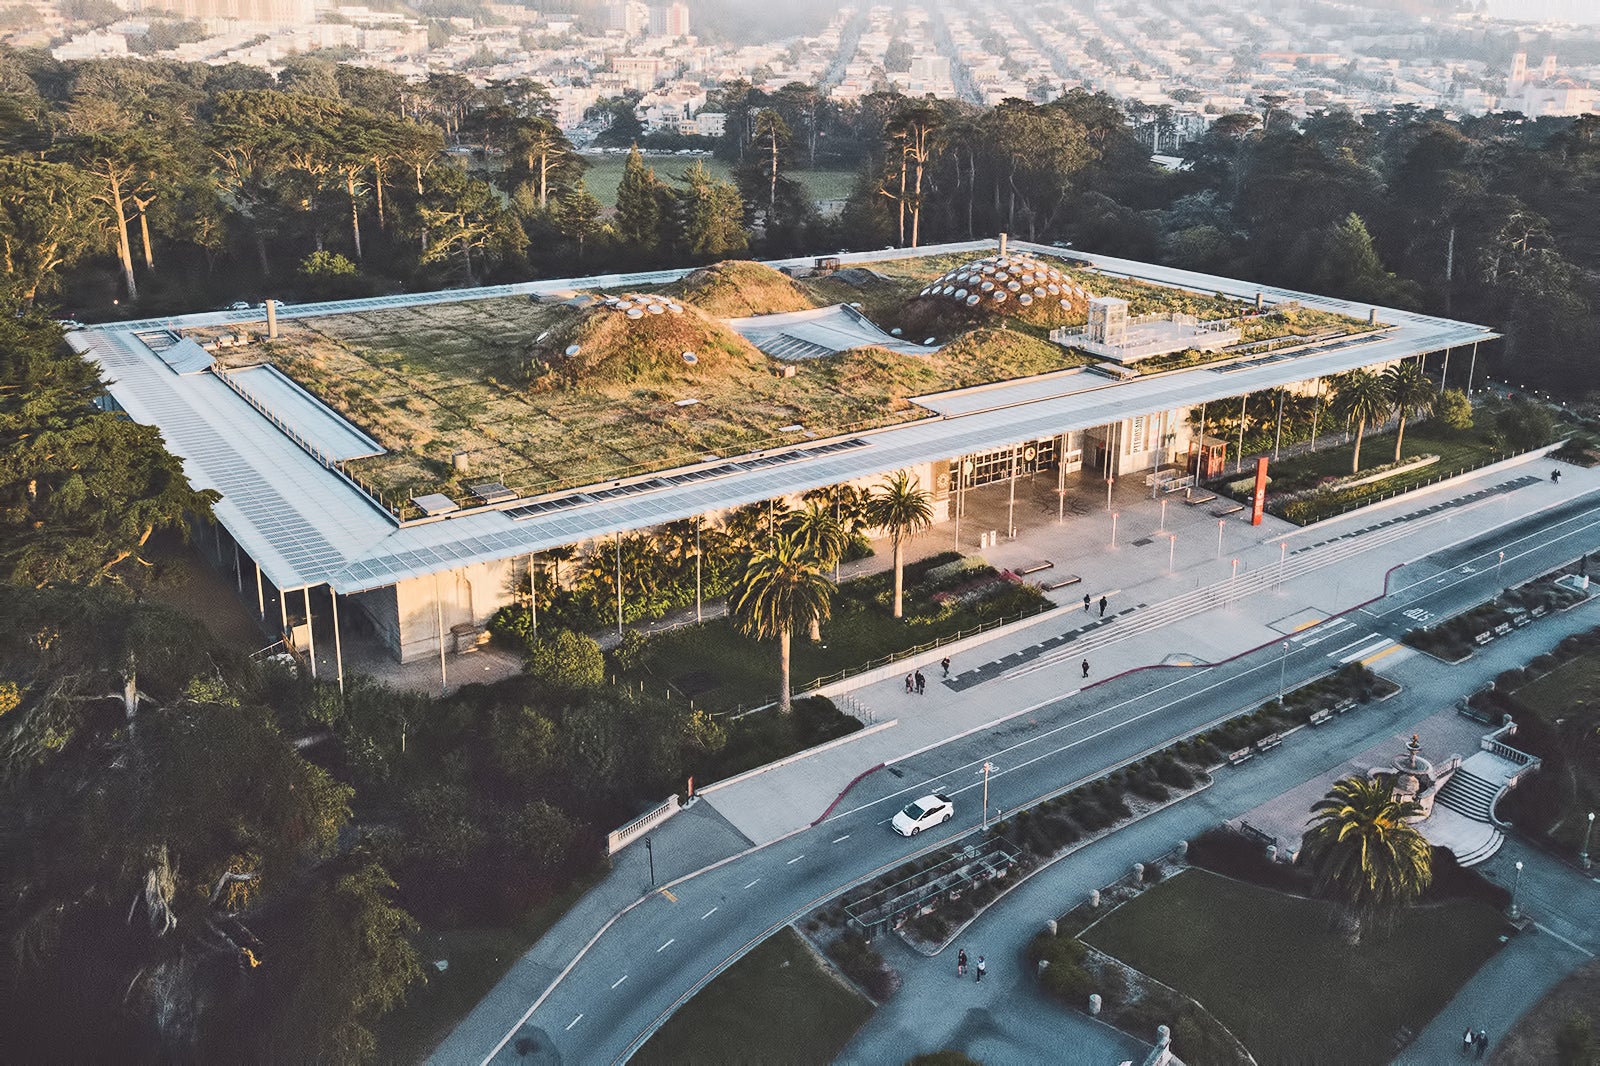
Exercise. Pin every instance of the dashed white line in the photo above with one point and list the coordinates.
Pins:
(708, 914)
(794, 860)
(619, 980)
(838, 839)
(573, 1022)
(667, 945)
(752, 884)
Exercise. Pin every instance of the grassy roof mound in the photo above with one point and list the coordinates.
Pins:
(608, 349)
(738, 288)
(979, 357)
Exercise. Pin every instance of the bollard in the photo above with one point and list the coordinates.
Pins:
(1094, 899)
(1272, 853)
(1044, 964)
(1182, 850)
(1163, 1037)
(1094, 1004)
(1138, 873)
(1051, 925)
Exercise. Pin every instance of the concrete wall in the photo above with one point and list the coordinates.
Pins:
(466, 595)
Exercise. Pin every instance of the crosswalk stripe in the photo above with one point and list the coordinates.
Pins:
(1370, 647)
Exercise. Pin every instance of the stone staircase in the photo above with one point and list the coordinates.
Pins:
(1467, 793)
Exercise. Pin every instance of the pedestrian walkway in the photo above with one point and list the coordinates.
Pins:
(1221, 588)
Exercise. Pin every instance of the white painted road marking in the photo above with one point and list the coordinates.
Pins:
(621, 979)
(573, 1022)
(752, 884)
(794, 860)
(838, 839)
(708, 914)
(1362, 653)
(667, 945)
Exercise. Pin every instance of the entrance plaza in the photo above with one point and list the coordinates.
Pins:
(1268, 583)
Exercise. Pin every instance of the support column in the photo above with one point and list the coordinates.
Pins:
(1471, 367)
(698, 615)
(619, 583)
(1011, 505)
(1277, 438)
(311, 633)
(261, 596)
(238, 574)
(338, 646)
(283, 612)
(1316, 415)
(1238, 455)
(1061, 481)
(438, 614)
(1444, 375)
(533, 598)
(960, 472)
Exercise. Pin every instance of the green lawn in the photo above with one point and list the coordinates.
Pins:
(604, 174)
(478, 957)
(723, 670)
(777, 1004)
(1269, 967)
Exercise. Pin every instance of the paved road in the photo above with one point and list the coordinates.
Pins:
(658, 953)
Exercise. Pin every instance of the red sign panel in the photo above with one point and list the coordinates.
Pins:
(1260, 502)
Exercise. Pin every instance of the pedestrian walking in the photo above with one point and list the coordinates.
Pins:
(1085, 603)
(1102, 606)
(1468, 1039)
(922, 684)
(1086, 668)
(981, 968)
(1555, 477)
(1482, 1042)
(945, 662)
(961, 963)
(911, 683)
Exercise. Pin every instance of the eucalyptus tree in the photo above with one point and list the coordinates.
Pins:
(46, 222)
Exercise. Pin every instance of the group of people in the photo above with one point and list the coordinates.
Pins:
(915, 682)
(1474, 1043)
(961, 965)
(1104, 603)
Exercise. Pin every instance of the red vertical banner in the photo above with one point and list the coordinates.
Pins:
(1259, 503)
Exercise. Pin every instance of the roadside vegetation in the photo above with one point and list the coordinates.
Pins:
(1455, 639)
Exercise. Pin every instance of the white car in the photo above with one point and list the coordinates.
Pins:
(923, 814)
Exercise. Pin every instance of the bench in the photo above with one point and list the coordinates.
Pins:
(1195, 499)
(1258, 836)
(1223, 510)
(1062, 582)
(1344, 705)
(1268, 742)
(1318, 717)
(1034, 568)
(1242, 755)
(1483, 638)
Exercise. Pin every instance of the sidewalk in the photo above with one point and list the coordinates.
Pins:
(1205, 611)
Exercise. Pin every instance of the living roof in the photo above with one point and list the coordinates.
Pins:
(543, 396)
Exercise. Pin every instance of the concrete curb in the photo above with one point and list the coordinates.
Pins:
(844, 792)
(827, 745)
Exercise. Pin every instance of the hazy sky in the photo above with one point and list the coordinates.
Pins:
(1537, 10)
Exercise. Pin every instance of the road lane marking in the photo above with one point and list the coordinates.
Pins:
(708, 914)
(794, 860)
(619, 980)
(752, 884)
(1390, 650)
(1365, 638)
(573, 1022)
(838, 839)
(1366, 649)
(669, 895)
(665, 946)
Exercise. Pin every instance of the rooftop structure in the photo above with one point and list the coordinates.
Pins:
(270, 432)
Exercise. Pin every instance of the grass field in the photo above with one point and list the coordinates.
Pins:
(604, 174)
(777, 1004)
(1271, 969)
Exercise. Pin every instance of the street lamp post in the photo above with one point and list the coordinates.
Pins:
(1113, 529)
(1583, 856)
(1163, 528)
(1220, 521)
(988, 768)
(651, 855)
(1283, 660)
(1497, 567)
(1283, 555)
(1172, 552)
(1515, 912)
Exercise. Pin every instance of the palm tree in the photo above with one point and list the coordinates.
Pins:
(1362, 852)
(780, 583)
(1410, 392)
(902, 507)
(1362, 397)
(820, 533)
